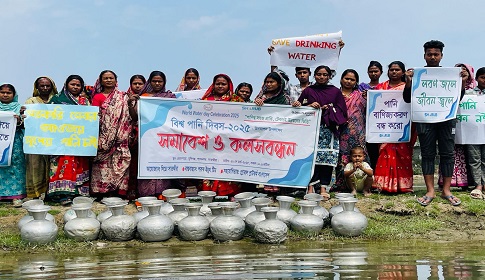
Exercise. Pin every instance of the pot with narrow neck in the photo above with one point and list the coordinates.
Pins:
(39, 230)
(120, 226)
(216, 210)
(107, 213)
(285, 213)
(348, 222)
(155, 226)
(338, 208)
(83, 227)
(144, 212)
(228, 226)
(169, 195)
(270, 230)
(318, 210)
(206, 197)
(307, 221)
(194, 227)
(257, 216)
(244, 200)
(71, 214)
(28, 217)
(178, 212)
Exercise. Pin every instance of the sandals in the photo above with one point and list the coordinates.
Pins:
(426, 200)
(477, 194)
(453, 200)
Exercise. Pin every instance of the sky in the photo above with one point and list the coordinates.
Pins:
(57, 38)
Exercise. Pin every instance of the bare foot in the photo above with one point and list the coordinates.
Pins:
(366, 194)
(324, 194)
(310, 189)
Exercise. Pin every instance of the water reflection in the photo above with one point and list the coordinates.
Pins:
(247, 260)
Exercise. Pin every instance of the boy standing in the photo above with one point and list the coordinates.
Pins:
(430, 133)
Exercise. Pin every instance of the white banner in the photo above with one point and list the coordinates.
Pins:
(309, 51)
(227, 141)
(435, 94)
(190, 94)
(470, 124)
(388, 117)
(8, 124)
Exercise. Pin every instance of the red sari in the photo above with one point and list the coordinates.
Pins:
(222, 188)
(394, 169)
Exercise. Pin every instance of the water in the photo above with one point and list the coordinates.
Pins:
(247, 260)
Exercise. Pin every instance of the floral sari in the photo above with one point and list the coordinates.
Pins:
(110, 172)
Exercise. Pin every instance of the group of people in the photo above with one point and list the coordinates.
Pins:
(342, 148)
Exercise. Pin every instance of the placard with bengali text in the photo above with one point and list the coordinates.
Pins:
(470, 120)
(8, 125)
(435, 94)
(388, 117)
(53, 129)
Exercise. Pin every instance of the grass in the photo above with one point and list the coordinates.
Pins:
(6, 212)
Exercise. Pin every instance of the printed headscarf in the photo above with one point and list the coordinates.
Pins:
(282, 97)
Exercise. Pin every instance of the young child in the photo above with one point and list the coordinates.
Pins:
(358, 173)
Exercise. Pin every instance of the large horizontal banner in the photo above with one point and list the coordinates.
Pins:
(388, 117)
(190, 94)
(52, 129)
(435, 94)
(470, 124)
(270, 144)
(309, 51)
(8, 124)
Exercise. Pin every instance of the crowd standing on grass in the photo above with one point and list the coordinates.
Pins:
(341, 150)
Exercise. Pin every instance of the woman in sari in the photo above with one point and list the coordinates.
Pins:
(244, 90)
(190, 80)
(329, 98)
(394, 168)
(155, 87)
(273, 92)
(353, 133)
(13, 176)
(461, 175)
(37, 166)
(222, 89)
(69, 175)
(109, 173)
(137, 82)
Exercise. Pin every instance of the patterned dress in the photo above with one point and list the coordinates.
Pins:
(110, 173)
(69, 175)
(353, 134)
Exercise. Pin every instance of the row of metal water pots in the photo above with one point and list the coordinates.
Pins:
(158, 220)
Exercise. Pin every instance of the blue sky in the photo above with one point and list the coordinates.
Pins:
(57, 38)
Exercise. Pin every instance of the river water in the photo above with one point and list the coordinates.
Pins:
(248, 260)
